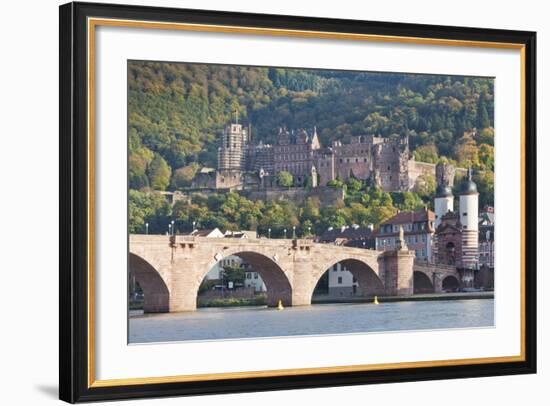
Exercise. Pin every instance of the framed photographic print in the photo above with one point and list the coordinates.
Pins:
(257, 202)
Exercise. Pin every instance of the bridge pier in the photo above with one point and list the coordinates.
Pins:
(437, 281)
(185, 282)
(398, 270)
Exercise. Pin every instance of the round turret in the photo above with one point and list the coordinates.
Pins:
(469, 210)
(443, 191)
(468, 187)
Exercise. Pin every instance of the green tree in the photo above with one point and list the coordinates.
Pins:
(425, 186)
(147, 207)
(485, 182)
(426, 153)
(353, 184)
(467, 153)
(487, 157)
(285, 179)
(482, 114)
(235, 274)
(159, 173)
(335, 183)
(487, 136)
(311, 209)
(408, 201)
(185, 213)
(183, 176)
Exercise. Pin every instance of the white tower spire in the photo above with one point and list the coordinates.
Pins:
(444, 199)
(469, 214)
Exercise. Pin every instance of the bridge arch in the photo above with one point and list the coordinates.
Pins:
(450, 282)
(365, 275)
(422, 283)
(156, 296)
(277, 282)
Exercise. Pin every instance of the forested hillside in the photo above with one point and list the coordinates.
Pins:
(177, 111)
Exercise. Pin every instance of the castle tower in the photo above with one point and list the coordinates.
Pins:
(444, 200)
(232, 156)
(391, 163)
(233, 149)
(469, 221)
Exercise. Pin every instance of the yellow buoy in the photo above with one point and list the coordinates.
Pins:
(280, 305)
(376, 300)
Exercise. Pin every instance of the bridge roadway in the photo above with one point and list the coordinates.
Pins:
(170, 269)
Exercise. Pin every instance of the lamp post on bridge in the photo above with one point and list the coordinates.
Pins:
(284, 231)
(173, 227)
(194, 222)
(169, 228)
(146, 228)
(269, 233)
(293, 232)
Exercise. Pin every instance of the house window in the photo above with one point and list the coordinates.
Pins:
(339, 280)
(255, 275)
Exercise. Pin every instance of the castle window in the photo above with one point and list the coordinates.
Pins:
(341, 160)
(390, 177)
(364, 159)
(356, 159)
(388, 167)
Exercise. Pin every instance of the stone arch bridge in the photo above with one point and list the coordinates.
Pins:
(170, 269)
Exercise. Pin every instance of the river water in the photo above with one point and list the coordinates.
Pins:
(251, 322)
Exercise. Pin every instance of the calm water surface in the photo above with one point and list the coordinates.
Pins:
(249, 322)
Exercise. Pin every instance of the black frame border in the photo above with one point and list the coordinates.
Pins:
(73, 178)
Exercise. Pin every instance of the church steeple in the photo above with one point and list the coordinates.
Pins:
(315, 144)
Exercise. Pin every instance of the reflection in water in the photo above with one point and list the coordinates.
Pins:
(248, 322)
